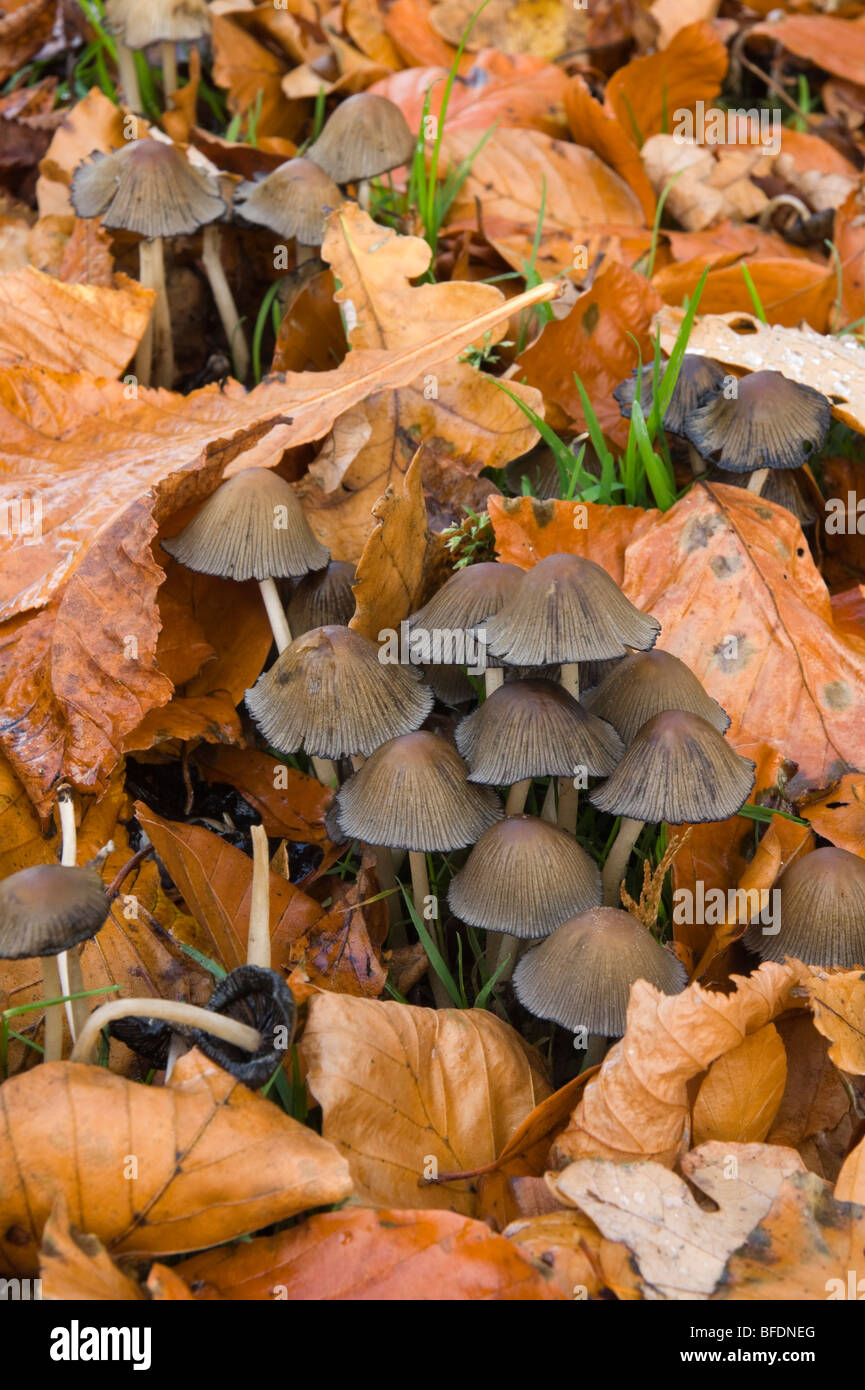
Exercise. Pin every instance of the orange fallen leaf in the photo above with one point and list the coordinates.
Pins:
(527, 530)
(291, 804)
(834, 44)
(395, 559)
(644, 92)
(815, 1115)
(593, 126)
(68, 327)
(838, 1003)
(839, 815)
(380, 1255)
(76, 1267)
(213, 1160)
(545, 28)
(409, 1093)
(739, 1097)
(791, 291)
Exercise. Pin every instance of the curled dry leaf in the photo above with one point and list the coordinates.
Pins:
(409, 1093)
(839, 815)
(815, 1115)
(75, 1266)
(807, 1246)
(644, 92)
(739, 1097)
(363, 1255)
(456, 404)
(291, 804)
(545, 28)
(213, 1160)
(826, 41)
(637, 1105)
(680, 1249)
(838, 1002)
(568, 1244)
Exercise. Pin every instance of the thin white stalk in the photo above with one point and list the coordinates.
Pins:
(231, 1030)
(129, 79)
(154, 360)
(169, 68)
(698, 465)
(258, 941)
(569, 797)
(276, 613)
(494, 676)
(515, 804)
(68, 964)
(548, 810)
(325, 770)
(224, 301)
(617, 860)
(52, 1038)
(757, 479)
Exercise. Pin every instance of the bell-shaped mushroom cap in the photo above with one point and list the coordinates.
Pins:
(581, 976)
(147, 187)
(143, 22)
(772, 422)
(322, 597)
(48, 909)
(252, 527)
(413, 793)
(365, 136)
(534, 728)
(470, 595)
(822, 900)
(262, 999)
(699, 380)
(329, 692)
(645, 684)
(524, 877)
(678, 768)
(568, 609)
(450, 684)
(149, 1037)
(293, 201)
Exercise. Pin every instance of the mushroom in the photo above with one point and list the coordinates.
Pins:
(322, 598)
(566, 610)
(822, 898)
(523, 879)
(534, 728)
(771, 422)
(365, 136)
(137, 25)
(581, 975)
(261, 999)
(150, 188)
(678, 768)
(252, 527)
(645, 684)
(464, 603)
(450, 684)
(413, 793)
(46, 910)
(292, 201)
(329, 693)
(175, 1012)
(699, 380)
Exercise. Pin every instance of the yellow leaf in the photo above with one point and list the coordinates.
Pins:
(740, 1096)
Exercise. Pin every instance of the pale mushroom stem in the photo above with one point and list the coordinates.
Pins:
(69, 962)
(756, 480)
(698, 466)
(169, 67)
(569, 797)
(224, 301)
(231, 1030)
(517, 796)
(617, 860)
(303, 252)
(501, 947)
(154, 360)
(129, 79)
(494, 676)
(548, 810)
(385, 872)
(420, 892)
(258, 941)
(276, 614)
(52, 1039)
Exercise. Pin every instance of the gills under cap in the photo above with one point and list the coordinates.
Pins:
(323, 597)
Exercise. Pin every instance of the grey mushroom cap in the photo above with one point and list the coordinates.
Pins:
(647, 683)
(524, 877)
(678, 768)
(328, 693)
(822, 902)
(699, 380)
(48, 909)
(365, 136)
(147, 187)
(413, 793)
(534, 728)
(568, 609)
(581, 975)
(771, 422)
(293, 201)
(252, 527)
(322, 597)
(142, 22)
